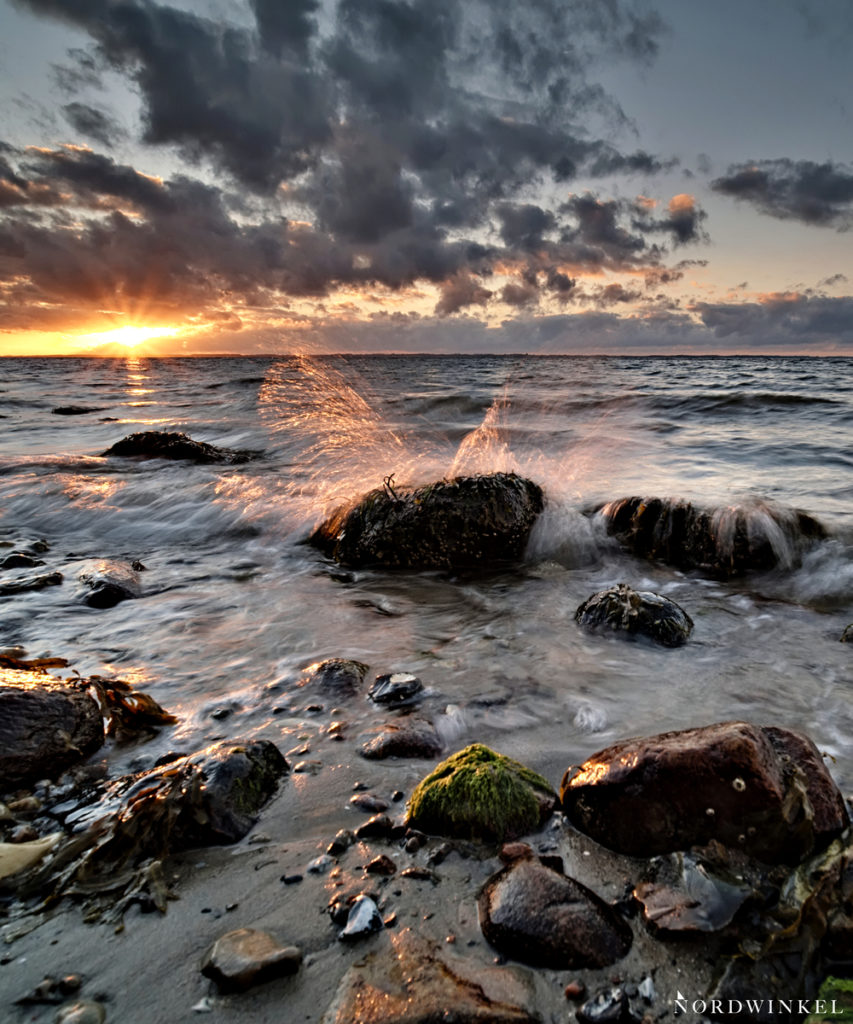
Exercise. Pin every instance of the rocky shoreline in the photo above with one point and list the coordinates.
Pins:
(392, 877)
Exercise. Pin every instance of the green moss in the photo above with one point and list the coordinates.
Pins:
(837, 995)
(479, 794)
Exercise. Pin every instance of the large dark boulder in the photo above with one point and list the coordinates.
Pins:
(163, 444)
(45, 727)
(533, 913)
(636, 613)
(724, 541)
(467, 522)
(762, 790)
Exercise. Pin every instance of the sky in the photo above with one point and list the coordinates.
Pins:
(578, 176)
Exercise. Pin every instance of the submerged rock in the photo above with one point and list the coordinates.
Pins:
(479, 794)
(45, 726)
(162, 444)
(109, 582)
(847, 635)
(636, 613)
(413, 984)
(76, 410)
(762, 790)
(467, 522)
(411, 737)
(25, 583)
(20, 560)
(724, 541)
(247, 957)
(532, 913)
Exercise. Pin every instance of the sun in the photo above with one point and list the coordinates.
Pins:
(129, 336)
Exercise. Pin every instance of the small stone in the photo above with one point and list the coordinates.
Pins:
(646, 989)
(308, 767)
(291, 879)
(343, 841)
(364, 919)
(70, 983)
(220, 713)
(369, 802)
(421, 874)
(83, 1012)
(247, 957)
(413, 844)
(381, 865)
(575, 990)
(391, 920)
(23, 834)
(515, 851)
(609, 1006)
(26, 805)
(439, 854)
(395, 689)
(409, 738)
(397, 795)
(320, 865)
(379, 826)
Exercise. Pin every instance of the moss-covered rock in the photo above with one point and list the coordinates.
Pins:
(834, 1001)
(467, 522)
(479, 794)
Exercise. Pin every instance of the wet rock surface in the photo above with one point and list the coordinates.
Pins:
(722, 541)
(636, 613)
(395, 689)
(37, 581)
(161, 444)
(247, 957)
(532, 913)
(410, 737)
(414, 985)
(85, 1011)
(337, 677)
(45, 726)
(764, 791)
(467, 522)
(108, 582)
(847, 635)
(480, 794)
(363, 919)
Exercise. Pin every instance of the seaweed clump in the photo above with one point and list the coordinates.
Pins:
(480, 794)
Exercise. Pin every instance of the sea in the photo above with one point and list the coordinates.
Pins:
(236, 605)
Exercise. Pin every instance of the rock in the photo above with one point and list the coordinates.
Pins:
(247, 957)
(381, 865)
(363, 919)
(380, 826)
(723, 541)
(109, 582)
(370, 803)
(530, 912)
(160, 444)
(847, 635)
(339, 677)
(467, 522)
(25, 583)
(415, 985)
(636, 613)
(19, 560)
(610, 1006)
(412, 737)
(76, 410)
(764, 791)
(237, 780)
(395, 689)
(85, 1011)
(479, 794)
(45, 726)
(320, 865)
(343, 841)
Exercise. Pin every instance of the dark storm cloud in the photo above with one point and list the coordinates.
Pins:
(93, 123)
(405, 140)
(819, 194)
(784, 320)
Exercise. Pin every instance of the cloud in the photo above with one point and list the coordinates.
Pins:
(93, 123)
(802, 190)
(782, 320)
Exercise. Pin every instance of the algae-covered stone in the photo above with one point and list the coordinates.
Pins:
(479, 794)
(636, 613)
(467, 522)
(834, 1001)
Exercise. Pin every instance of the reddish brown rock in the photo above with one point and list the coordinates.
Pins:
(248, 957)
(532, 913)
(411, 737)
(45, 726)
(762, 790)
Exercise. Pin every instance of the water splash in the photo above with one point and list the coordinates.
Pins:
(486, 449)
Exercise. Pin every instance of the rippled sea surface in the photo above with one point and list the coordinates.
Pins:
(235, 604)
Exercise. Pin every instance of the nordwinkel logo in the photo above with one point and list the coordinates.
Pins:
(767, 1007)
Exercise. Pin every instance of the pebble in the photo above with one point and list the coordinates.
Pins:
(82, 1012)
(364, 919)
(377, 827)
(381, 865)
(607, 1007)
(419, 873)
(23, 834)
(320, 865)
(343, 841)
(291, 879)
(369, 802)
(575, 990)
(395, 689)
